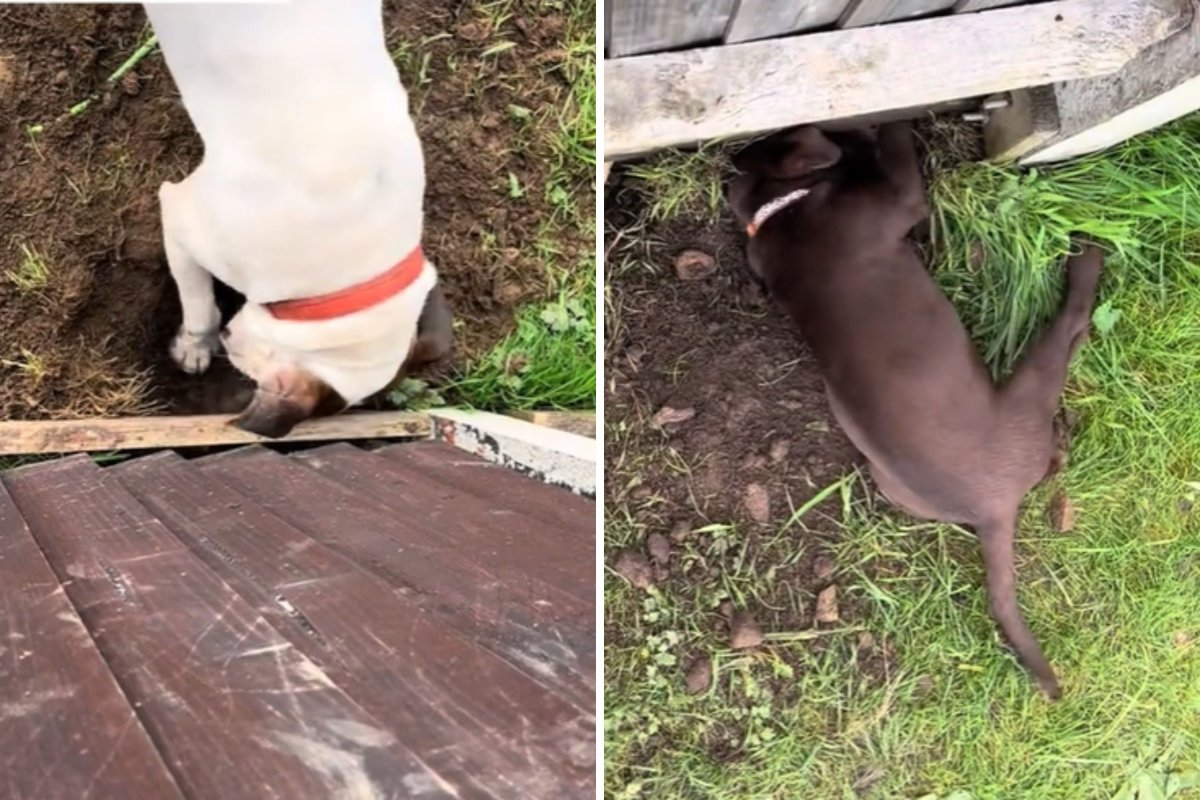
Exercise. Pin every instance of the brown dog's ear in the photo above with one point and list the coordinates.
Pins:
(807, 150)
(788, 155)
(435, 330)
(291, 398)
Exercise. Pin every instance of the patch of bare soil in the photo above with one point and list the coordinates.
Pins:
(707, 369)
(86, 303)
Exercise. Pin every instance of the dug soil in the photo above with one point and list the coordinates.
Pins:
(87, 307)
(724, 408)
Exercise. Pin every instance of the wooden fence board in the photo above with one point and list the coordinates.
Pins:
(968, 6)
(683, 98)
(67, 730)
(237, 712)
(647, 26)
(873, 12)
(25, 437)
(451, 701)
(762, 19)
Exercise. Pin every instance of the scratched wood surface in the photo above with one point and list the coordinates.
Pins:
(66, 730)
(513, 612)
(420, 678)
(503, 536)
(252, 625)
(498, 485)
(237, 711)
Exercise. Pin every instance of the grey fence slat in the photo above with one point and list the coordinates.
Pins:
(762, 19)
(872, 12)
(648, 26)
(964, 6)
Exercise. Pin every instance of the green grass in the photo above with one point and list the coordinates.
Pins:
(680, 183)
(547, 362)
(33, 271)
(1115, 603)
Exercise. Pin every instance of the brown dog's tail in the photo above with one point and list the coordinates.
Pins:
(997, 541)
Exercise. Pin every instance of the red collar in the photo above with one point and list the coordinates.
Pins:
(356, 298)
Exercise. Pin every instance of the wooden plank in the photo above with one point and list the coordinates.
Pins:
(873, 12)
(582, 423)
(648, 26)
(674, 99)
(762, 19)
(1028, 123)
(497, 485)
(451, 701)
(1160, 85)
(27, 437)
(501, 534)
(237, 712)
(512, 614)
(68, 731)
(968, 6)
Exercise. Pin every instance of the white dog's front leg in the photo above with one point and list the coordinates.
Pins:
(194, 345)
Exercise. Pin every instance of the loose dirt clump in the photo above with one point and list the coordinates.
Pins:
(86, 303)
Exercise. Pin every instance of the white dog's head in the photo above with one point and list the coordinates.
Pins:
(309, 369)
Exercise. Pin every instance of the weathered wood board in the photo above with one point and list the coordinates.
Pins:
(647, 26)
(968, 6)
(762, 19)
(26, 437)
(188, 652)
(683, 98)
(1159, 85)
(873, 12)
(50, 670)
(420, 678)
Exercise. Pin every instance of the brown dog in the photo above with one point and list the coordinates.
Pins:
(828, 227)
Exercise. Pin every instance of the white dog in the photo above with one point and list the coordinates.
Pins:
(308, 201)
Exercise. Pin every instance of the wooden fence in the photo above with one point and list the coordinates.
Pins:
(1079, 75)
(637, 26)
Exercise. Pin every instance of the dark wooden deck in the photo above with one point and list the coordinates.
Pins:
(410, 622)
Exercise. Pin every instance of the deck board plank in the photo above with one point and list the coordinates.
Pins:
(500, 532)
(67, 730)
(551, 634)
(497, 484)
(452, 701)
(236, 711)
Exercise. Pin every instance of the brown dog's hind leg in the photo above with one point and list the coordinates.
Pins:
(996, 539)
(1040, 376)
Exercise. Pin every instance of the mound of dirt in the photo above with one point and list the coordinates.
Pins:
(86, 303)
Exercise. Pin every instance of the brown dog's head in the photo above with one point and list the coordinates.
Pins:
(774, 166)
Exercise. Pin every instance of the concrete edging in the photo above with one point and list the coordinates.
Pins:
(552, 456)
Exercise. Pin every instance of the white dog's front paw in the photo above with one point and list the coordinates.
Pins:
(193, 352)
